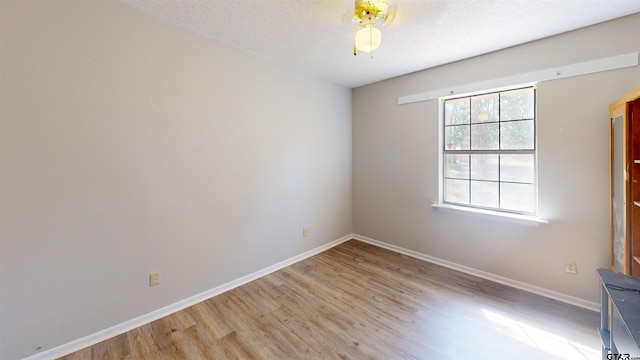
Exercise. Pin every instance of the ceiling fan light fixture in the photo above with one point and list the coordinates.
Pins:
(368, 38)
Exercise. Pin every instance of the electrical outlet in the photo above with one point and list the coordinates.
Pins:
(305, 232)
(154, 278)
(570, 268)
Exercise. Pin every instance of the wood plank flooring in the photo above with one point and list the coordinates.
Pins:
(358, 301)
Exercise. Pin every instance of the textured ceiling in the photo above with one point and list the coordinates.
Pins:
(316, 36)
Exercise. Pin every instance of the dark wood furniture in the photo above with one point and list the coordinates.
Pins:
(625, 185)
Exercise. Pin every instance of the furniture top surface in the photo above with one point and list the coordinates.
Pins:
(626, 301)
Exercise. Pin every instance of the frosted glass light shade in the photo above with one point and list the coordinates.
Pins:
(368, 38)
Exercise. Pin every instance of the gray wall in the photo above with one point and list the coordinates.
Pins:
(395, 163)
(129, 145)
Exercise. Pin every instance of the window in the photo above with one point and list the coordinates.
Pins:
(489, 151)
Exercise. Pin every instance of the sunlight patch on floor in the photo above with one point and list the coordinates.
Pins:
(554, 344)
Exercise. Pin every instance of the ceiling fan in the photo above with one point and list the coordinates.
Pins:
(367, 14)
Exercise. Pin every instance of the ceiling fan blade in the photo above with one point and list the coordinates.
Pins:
(390, 15)
(349, 18)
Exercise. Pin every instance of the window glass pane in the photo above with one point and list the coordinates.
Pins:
(484, 167)
(517, 197)
(517, 104)
(517, 168)
(485, 136)
(488, 156)
(484, 108)
(456, 137)
(456, 166)
(456, 111)
(517, 135)
(484, 193)
(456, 191)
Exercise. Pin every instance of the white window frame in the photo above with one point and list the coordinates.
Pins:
(510, 216)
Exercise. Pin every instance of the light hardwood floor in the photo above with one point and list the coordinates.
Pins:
(358, 301)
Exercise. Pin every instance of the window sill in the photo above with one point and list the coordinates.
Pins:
(488, 214)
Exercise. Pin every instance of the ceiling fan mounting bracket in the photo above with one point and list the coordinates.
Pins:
(373, 8)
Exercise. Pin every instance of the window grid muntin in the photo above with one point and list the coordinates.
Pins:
(498, 152)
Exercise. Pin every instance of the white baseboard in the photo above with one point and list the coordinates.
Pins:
(485, 275)
(116, 330)
(121, 328)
